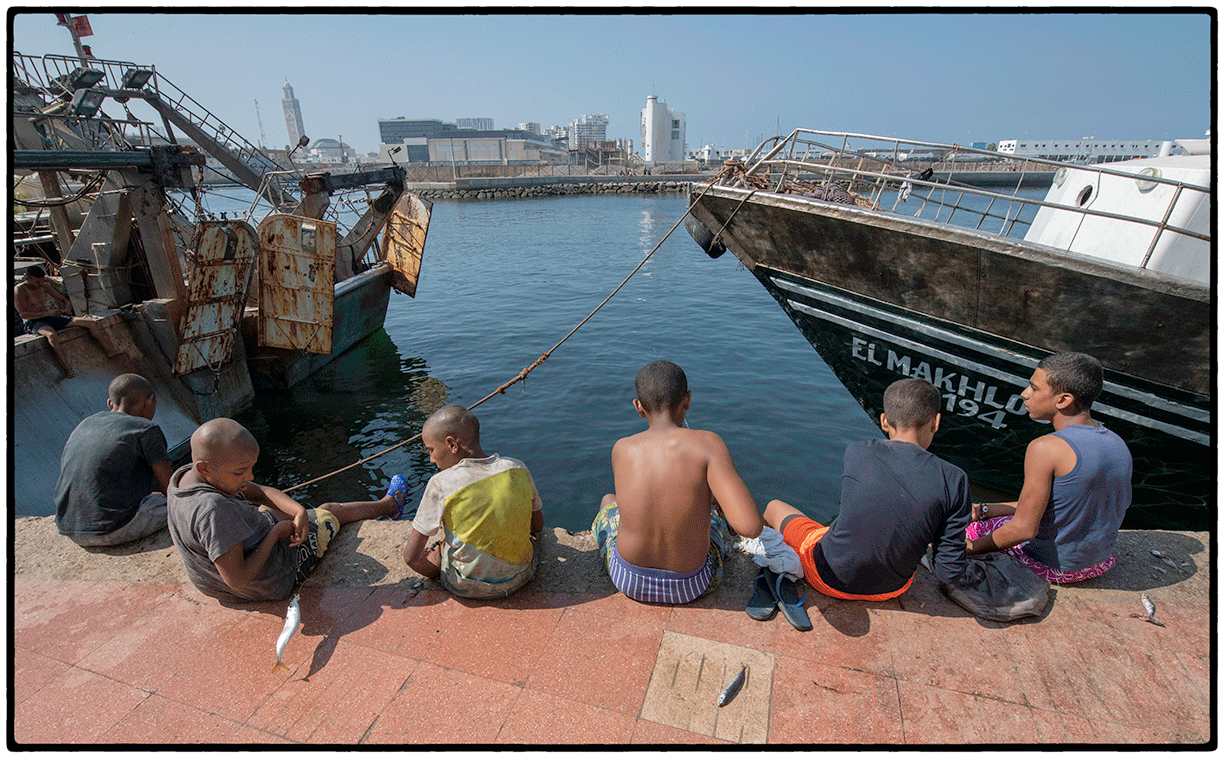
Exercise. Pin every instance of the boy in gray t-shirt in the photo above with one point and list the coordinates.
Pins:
(243, 541)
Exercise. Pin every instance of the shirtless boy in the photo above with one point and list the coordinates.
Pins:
(45, 311)
(659, 534)
(1077, 481)
(243, 541)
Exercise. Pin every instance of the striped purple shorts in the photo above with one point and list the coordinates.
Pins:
(982, 528)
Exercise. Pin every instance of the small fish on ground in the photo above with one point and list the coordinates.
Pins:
(1166, 559)
(1150, 607)
(733, 688)
(292, 618)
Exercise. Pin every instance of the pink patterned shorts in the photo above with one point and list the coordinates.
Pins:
(982, 528)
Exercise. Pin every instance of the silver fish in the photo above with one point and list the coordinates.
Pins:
(733, 688)
(1165, 559)
(292, 618)
(1150, 607)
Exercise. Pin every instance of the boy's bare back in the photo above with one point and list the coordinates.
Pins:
(666, 478)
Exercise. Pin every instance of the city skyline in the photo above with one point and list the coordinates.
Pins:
(737, 78)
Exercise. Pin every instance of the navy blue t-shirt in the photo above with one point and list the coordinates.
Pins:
(896, 499)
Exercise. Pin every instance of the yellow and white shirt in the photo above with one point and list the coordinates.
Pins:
(484, 506)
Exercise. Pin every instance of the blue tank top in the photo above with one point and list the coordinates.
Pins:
(1079, 528)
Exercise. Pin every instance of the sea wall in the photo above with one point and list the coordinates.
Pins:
(501, 189)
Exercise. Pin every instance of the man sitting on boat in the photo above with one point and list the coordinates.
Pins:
(243, 541)
(487, 507)
(114, 470)
(1077, 481)
(896, 499)
(660, 538)
(44, 310)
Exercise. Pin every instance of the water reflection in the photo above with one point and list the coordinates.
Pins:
(363, 402)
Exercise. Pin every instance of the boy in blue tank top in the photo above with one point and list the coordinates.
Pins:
(1077, 481)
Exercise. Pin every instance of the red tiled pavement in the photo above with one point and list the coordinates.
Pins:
(110, 662)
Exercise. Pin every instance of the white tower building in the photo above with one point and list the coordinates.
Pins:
(662, 133)
(293, 117)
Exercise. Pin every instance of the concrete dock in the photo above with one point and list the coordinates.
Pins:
(114, 646)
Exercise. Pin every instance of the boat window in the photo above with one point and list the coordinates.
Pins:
(1084, 194)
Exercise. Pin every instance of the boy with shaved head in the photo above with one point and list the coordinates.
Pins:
(487, 507)
(243, 541)
(114, 471)
(660, 535)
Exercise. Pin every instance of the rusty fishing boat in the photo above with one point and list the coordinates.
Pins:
(893, 267)
(209, 308)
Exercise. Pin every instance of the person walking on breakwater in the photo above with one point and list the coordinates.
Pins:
(660, 535)
(243, 541)
(896, 499)
(487, 507)
(114, 470)
(1077, 481)
(47, 312)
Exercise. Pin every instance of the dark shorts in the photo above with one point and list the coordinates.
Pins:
(323, 526)
(55, 322)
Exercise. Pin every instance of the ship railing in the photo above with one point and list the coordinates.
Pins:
(870, 167)
(39, 72)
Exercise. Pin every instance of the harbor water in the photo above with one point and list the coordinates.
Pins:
(503, 281)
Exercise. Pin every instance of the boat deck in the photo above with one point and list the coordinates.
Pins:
(114, 646)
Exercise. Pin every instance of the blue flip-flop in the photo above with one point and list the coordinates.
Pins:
(398, 489)
(762, 605)
(790, 601)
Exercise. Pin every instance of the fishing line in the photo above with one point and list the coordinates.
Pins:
(543, 356)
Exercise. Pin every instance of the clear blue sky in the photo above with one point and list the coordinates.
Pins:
(939, 77)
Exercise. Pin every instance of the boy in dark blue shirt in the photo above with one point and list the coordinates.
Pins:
(896, 499)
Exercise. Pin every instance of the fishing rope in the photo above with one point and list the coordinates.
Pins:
(522, 375)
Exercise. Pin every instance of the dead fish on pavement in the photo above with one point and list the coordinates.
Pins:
(733, 688)
(1166, 559)
(1150, 607)
(292, 618)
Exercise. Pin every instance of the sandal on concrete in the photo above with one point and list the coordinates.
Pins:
(762, 605)
(790, 601)
(398, 489)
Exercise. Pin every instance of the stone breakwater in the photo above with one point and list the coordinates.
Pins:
(553, 190)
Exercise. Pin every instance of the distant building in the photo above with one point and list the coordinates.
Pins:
(706, 154)
(529, 126)
(506, 147)
(293, 117)
(557, 133)
(480, 124)
(331, 151)
(662, 133)
(411, 136)
(1089, 150)
(587, 129)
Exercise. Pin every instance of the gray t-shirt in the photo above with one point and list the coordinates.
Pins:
(105, 471)
(205, 523)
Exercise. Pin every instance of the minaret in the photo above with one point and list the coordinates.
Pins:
(293, 116)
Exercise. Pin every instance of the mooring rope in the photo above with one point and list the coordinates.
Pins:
(522, 375)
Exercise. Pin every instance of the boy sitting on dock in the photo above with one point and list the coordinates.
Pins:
(487, 507)
(243, 541)
(114, 470)
(896, 499)
(660, 535)
(1077, 481)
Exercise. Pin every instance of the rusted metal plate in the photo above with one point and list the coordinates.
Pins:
(225, 256)
(404, 241)
(297, 260)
